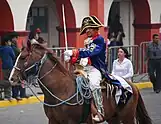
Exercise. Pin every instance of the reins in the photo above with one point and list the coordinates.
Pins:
(81, 83)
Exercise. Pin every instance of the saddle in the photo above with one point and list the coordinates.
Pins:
(80, 70)
(107, 86)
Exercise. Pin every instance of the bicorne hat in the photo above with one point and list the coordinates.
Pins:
(90, 22)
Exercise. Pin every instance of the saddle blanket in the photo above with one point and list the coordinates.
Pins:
(119, 91)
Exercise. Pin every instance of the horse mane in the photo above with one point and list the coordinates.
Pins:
(53, 58)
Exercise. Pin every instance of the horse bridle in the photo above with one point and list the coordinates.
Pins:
(76, 94)
(41, 61)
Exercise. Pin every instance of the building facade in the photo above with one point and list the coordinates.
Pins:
(140, 18)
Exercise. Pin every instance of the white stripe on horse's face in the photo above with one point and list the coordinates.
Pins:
(13, 70)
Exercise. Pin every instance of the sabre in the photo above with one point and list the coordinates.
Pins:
(64, 25)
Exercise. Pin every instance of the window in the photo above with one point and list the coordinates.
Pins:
(38, 18)
(114, 10)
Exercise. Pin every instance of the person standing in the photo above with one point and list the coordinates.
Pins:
(34, 36)
(8, 57)
(153, 57)
(18, 88)
(116, 30)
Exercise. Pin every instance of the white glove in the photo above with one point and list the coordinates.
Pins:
(66, 58)
(68, 53)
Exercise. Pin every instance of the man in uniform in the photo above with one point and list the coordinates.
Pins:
(95, 51)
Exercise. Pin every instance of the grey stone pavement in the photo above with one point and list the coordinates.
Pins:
(34, 114)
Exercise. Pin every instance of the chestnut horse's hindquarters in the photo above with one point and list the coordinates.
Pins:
(142, 116)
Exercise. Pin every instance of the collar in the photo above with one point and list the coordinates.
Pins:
(125, 60)
(95, 36)
(158, 43)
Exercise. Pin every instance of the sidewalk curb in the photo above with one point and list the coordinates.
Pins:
(143, 85)
(14, 102)
(33, 99)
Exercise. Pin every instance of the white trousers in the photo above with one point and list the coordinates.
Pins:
(94, 77)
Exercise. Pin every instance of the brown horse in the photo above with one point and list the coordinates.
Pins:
(61, 84)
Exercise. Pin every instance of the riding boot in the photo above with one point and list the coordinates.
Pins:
(98, 100)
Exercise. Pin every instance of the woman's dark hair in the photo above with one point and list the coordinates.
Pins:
(127, 55)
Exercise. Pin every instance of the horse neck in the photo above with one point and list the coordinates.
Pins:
(58, 81)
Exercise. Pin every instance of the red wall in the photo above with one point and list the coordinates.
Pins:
(6, 22)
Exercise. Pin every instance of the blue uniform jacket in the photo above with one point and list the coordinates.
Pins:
(96, 51)
(8, 57)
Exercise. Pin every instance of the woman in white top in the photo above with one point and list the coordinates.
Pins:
(123, 66)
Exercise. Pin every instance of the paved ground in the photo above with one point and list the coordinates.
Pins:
(33, 114)
(140, 78)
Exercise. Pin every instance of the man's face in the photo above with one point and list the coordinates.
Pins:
(37, 35)
(9, 43)
(14, 40)
(156, 39)
(88, 32)
(91, 32)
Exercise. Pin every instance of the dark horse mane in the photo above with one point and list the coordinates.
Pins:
(53, 58)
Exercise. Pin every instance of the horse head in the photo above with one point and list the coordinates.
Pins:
(26, 59)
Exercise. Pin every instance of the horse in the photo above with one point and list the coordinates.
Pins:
(58, 86)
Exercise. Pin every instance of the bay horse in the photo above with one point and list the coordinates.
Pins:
(58, 81)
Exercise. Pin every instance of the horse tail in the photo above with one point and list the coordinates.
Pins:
(142, 116)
